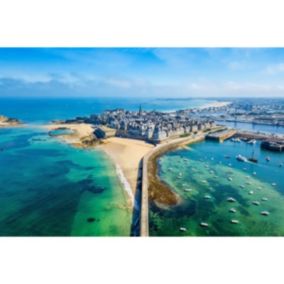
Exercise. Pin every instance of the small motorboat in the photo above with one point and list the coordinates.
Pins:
(231, 199)
(232, 210)
(264, 199)
(241, 158)
(253, 141)
(267, 159)
(251, 192)
(256, 203)
(203, 224)
(188, 189)
(234, 221)
(182, 229)
(207, 196)
(264, 213)
(230, 179)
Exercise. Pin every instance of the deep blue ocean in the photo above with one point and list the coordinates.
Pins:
(38, 110)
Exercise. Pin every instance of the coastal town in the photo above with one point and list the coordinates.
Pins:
(151, 126)
(145, 136)
(255, 111)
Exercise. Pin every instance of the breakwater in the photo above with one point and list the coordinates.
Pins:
(151, 183)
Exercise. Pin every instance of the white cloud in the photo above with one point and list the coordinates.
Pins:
(275, 69)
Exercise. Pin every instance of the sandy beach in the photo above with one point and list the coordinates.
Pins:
(126, 154)
(81, 130)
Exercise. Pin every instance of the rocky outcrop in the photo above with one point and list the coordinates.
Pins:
(7, 121)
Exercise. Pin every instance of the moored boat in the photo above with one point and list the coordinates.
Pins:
(241, 158)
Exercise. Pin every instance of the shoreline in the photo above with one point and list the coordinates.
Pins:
(126, 154)
(122, 179)
(82, 136)
(153, 189)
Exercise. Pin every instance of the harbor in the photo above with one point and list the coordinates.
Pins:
(220, 194)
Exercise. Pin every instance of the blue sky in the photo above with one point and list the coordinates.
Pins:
(155, 72)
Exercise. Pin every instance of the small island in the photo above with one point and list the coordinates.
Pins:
(9, 122)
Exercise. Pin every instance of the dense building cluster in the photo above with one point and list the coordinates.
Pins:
(152, 126)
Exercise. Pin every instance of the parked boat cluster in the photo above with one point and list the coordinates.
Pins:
(246, 185)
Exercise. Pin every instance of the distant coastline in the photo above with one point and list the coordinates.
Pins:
(216, 104)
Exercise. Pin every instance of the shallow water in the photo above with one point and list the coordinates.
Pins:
(205, 178)
(48, 188)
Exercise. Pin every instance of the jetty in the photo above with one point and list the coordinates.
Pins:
(149, 176)
(221, 135)
(260, 136)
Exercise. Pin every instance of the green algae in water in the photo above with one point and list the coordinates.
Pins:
(205, 175)
(48, 188)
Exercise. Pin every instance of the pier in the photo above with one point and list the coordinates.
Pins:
(221, 135)
(260, 136)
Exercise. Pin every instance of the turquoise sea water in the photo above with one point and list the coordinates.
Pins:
(205, 175)
(48, 188)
